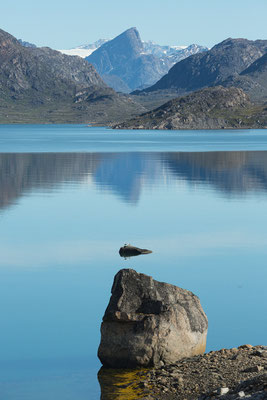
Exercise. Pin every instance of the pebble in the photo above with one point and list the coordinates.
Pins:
(223, 390)
(241, 394)
(260, 353)
(246, 346)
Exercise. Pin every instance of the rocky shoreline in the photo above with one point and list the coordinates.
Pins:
(153, 339)
(227, 374)
(210, 108)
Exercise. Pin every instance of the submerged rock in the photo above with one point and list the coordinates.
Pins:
(150, 323)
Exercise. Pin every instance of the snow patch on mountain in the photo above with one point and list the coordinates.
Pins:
(77, 52)
(84, 50)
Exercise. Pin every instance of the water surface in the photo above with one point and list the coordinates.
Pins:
(70, 196)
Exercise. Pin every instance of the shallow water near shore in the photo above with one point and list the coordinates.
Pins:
(70, 196)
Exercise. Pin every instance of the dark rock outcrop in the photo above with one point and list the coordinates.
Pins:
(210, 108)
(150, 323)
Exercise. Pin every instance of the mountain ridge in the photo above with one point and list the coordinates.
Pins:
(173, 53)
(127, 63)
(41, 84)
(227, 58)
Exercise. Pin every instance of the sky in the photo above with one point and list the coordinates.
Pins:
(63, 24)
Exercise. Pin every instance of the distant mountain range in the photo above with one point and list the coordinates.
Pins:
(230, 57)
(127, 63)
(44, 85)
(149, 47)
(238, 63)
(41, 84)
(147, 62)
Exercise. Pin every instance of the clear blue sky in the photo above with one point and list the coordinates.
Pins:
(65, 24)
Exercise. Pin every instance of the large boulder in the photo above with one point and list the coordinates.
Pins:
(150, 323)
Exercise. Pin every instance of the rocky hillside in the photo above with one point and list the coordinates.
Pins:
(253, 80)
(41, 72)
(229, 57)
(43, 85)
(210, 108)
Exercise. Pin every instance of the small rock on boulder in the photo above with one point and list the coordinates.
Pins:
(150, 323)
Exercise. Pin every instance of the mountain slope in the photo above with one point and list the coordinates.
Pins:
(211, 67)
(253, 80)
(210, 108)
(124, 58)
(43, 85)
(41, 72)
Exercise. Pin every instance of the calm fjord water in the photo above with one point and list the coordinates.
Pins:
(70, 196)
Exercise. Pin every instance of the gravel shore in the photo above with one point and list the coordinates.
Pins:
(227, 374)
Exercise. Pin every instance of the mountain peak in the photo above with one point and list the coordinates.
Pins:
(127, 44)
(116, 56)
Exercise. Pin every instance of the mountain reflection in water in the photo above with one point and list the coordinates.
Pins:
(125, 174)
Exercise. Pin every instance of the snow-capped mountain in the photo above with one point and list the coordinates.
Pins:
(173, 53)
(127, 63)
(160, 51)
